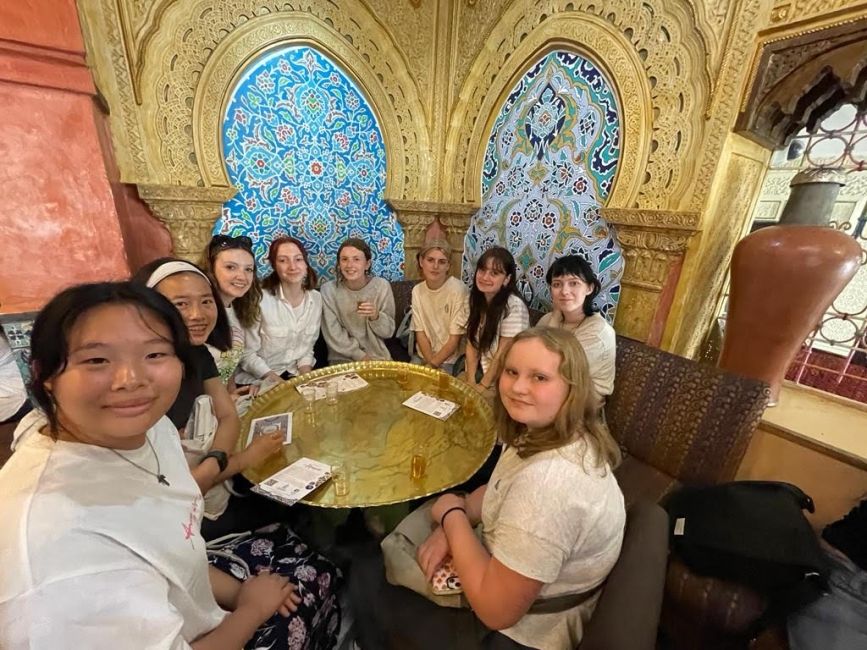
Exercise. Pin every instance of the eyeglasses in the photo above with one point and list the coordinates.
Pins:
(227, 241)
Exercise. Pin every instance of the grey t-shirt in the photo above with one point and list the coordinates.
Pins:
(349, 335)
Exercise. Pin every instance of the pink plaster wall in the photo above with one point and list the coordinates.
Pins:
(58, 220)
(47, 23)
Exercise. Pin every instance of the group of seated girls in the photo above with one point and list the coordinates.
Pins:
(106, 469)
(492, 313)
(274, 325)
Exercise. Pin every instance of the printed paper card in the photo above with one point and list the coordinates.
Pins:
(441, 409)
(271, 424)
(294, 482)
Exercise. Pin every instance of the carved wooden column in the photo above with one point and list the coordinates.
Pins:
(654, 244)
(451, 220)
(188, 212)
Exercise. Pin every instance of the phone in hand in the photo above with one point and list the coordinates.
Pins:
(445, 580)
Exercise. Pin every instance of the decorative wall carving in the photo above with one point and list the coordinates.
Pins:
(801, 74)
(417, 217)
(786, 11)
(722, 109)
(654, 243)
(188, 212)
(204, 44)
(654, 52)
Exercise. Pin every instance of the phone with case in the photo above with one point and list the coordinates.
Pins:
(445, 580)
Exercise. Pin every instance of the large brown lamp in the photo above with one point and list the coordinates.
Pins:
(784, 278)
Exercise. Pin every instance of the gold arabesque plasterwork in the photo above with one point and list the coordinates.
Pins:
(204, 45)
(658, 72)
(403, 127)
(436, 73)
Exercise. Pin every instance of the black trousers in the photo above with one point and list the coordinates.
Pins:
(394, 618)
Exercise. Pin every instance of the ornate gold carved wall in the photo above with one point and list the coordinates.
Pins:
(435, 72)
(788, 11)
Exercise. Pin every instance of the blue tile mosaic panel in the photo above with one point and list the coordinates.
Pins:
(302, 145)
(550, 164)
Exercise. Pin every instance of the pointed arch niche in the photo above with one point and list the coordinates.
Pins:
(549, 166)
(304, 148)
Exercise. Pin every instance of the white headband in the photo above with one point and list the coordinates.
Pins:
(171, 268)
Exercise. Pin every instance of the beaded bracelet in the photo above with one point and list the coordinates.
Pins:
(452, 509)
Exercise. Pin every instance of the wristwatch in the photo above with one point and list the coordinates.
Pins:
(221, 457)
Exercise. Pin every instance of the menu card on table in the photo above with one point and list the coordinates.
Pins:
(346, 382)
(293, 483)
(441, 409)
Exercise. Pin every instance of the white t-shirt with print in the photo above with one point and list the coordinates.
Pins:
(95, 553)
(515, 322)
(555, 518)
(440, 313)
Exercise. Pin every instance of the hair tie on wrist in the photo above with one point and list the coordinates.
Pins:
(450, 510)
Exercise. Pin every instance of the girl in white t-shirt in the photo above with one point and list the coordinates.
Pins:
(100, 513)
(229, 263)
(496, 315)
(280, 343)
(552, 519)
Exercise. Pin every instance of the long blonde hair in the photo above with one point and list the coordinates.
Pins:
(579, 416)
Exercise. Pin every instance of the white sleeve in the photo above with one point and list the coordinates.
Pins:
(95, 611)
(517, 321)
(251, 361)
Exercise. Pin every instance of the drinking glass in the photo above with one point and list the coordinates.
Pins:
(418, 461)
(340, 479)
(309, 395)
(444, 381)
(331, 392)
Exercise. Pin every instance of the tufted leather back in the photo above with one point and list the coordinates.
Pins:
(684, 421)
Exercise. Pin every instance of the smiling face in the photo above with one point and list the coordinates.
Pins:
(233, 270)
(191, 295)
(353, 265)
(290, 265)
(568, 293)
(491, 278)
(121, 376)
(531, 386)
(434, 268)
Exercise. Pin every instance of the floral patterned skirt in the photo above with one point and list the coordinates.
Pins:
(316, 624)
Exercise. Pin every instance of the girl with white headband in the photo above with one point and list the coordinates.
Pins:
(194, 296)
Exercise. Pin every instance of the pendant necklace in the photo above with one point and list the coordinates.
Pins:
(161, 478)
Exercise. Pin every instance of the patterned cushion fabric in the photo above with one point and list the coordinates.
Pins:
(688, 420)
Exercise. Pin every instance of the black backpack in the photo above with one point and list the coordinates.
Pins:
(753, 533)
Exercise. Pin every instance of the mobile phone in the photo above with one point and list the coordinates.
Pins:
(445, 580)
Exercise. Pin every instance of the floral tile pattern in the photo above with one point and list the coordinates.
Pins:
(302, 145)
(550, 164)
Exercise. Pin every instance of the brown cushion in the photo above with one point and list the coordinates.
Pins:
(639, 480)
(721, 605)
(689, 420)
